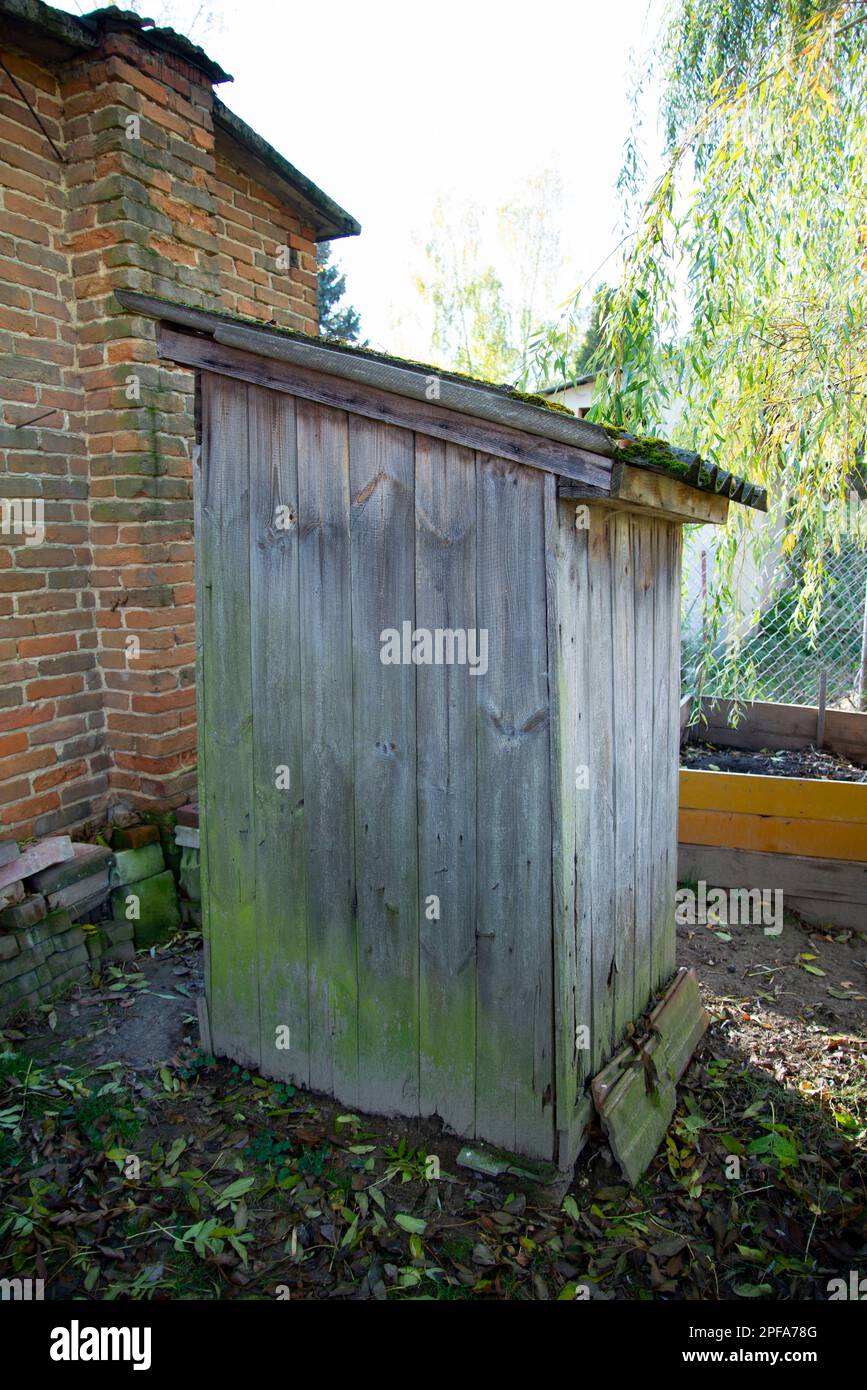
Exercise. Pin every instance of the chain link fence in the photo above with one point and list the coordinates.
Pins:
(776, 660)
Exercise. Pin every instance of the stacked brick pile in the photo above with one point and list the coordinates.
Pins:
(46, 890)
(68, 908)
(143, 886)
(189, 871)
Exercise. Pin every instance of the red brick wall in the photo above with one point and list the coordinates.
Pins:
(97, 642)
(141, 165)
(53, 764)
(254, 234)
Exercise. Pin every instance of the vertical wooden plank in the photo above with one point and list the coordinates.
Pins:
(445, 588)
(566, 582)
(624, 697)
(281, 896)
(514, 1089)
(675, 552)
(644, 581)
(662, 898)
(602, 814)
(381, 464)
(201, 561)
(562, 663)
(328, 771)
(227, 732)
(584, 804)
(660, 663)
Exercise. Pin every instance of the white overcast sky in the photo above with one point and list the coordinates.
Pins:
(389, 104)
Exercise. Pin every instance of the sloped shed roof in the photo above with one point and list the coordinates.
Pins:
(591, 460)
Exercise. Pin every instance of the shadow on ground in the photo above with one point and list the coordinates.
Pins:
(135, 1167)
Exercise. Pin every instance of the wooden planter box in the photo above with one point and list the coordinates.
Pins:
(807, 837)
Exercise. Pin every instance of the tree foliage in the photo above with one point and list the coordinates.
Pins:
(471, 320)
(488, 279)
(743, 294)
(334, 321)
(587, 355)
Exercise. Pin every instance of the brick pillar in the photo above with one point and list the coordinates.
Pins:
(140, 152)
(121, 186)
(53, 766)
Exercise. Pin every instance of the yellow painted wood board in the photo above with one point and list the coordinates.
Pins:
(796, 798)
(774, 834)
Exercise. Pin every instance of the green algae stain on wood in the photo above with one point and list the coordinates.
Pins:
(382, 563)
(228, 702)
(326, 715)
(514, 1053)
(445, 585)
(416, 784)
(281, 897)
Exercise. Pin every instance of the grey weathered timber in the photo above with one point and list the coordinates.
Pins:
(635, 1093)
(470, 398)
(624, 695)
(566, 559)
(514, 1085)
(202, 561)
(562, 656)
(483, 400)
(401, 378)
(451, 892)
(278, 782)
(680, 1019)
(226, 796)
(600, 849)
(633, 1117)
(381, 473)
(645, 926)
(489, 435)
(659, 794)
(638, 490)
(823, 891)
(326, 682)
(445, 597)
(578, 713)
(765, 725)
(672, 569)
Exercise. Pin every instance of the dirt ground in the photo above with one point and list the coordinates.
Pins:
(132, 1166)
(804, 982)
(782, 762)
(140, 1017)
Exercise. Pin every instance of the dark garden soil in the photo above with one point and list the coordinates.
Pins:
(134, 1167)
(783, 762)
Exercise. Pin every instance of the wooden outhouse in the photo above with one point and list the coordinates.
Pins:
(438, 727)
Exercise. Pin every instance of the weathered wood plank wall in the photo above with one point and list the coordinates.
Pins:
(614, 586)
(277, 742)
(227, 792)
(433, 879)
(445, 597)
(514, 962)
(568, 666)
(325, 664)
(382, 566)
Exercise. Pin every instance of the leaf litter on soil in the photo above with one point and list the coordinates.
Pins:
(125, 1174)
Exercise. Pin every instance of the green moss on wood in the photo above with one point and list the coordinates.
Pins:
(644, 451)
(529, 398)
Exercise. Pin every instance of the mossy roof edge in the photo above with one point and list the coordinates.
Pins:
(654, 455)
